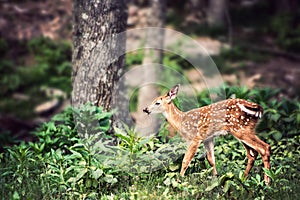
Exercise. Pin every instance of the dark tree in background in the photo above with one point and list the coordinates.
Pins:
(96, 64)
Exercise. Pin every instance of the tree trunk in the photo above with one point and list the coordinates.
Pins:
(98, 50)
(154, 38)
(216, 13)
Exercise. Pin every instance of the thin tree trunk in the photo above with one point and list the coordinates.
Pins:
(216, 13)
(154, 38)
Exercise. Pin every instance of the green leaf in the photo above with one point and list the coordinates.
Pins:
(174, 183)
(174, 167)
(223, 178)
(275, 117)
(257, 177)
(16, 195)
(214, 184)
(71, 180)
(166, 192)
(144, 141)
(81, 173)
(269, 173)
(110, 179)
(75, 154)
(241, 176)
(124, 138)
(70, 169)
(170, 175)
(298, 118)
(97, 173)
(278, 171)
(276, 135)
(88, 183)
(104, 115)
(227, 186)
(151, 144)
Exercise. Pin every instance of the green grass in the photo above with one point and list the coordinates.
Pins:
(64, 164)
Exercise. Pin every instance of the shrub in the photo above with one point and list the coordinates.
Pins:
(75, 158)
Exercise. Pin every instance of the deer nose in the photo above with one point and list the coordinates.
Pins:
(146, 110)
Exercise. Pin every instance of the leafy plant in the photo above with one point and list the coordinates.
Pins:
(286, 30)
(65, 164)
(59, 133)
(51, 58)
(50, 67)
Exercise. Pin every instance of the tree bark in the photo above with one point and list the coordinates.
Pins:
(98, 50)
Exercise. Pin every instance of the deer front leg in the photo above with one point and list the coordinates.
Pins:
(210, 155)
(252, 155)
(190, 153)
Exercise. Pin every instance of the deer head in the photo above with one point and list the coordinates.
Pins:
(159, 103)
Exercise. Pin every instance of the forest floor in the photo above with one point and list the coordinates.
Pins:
(22, 21)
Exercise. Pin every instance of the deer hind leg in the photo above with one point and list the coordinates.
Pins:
(190, 153)
(252, 141)
(252, 155)
(210, 155)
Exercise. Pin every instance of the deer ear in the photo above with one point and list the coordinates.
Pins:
(173, 92)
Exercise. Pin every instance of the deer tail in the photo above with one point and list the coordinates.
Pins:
(250, 108)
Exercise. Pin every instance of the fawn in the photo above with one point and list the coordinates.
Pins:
(236, 116)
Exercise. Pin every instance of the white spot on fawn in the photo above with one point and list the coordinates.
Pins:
(84, 16)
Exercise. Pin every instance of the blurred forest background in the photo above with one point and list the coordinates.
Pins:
(254, 43)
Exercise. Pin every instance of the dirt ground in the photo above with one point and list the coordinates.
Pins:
(281, 73)
(28, 19)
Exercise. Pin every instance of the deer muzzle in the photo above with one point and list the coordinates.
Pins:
(146, 110)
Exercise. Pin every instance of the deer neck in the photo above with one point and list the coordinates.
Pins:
(174, 116)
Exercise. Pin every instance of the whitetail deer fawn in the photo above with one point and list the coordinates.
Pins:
(236, 116)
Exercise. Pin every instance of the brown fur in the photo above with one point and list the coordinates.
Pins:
(236, 116)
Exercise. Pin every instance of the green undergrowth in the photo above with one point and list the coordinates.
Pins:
(43, 64)
(262, 19)
(74, 157)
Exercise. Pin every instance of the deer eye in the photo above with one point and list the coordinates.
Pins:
(157, 103)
